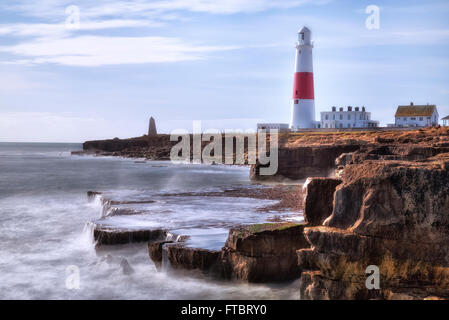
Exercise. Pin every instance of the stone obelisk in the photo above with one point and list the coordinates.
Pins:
(152, 128)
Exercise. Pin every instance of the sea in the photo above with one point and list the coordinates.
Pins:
(46, 246)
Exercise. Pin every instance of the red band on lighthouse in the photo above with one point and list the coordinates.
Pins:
(303, 85)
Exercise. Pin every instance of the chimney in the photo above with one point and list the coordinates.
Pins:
(356, 108)
(334, 109)
(341, 108)
(411, 103)
(363, 109)
(349, 108)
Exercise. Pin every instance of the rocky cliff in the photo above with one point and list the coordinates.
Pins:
(313, 154)
(391, 211)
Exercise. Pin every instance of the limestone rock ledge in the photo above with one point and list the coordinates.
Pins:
(263, 252)
(393, 214)
(254, 253)
(105, 235)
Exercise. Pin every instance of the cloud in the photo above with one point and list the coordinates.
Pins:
(102, 50)
(60, 29)
(103, 8)
(52, 42)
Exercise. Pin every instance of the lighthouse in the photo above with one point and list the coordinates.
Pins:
(303, 103)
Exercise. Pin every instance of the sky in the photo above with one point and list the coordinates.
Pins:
(72, 71)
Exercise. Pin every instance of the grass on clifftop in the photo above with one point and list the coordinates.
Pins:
(256, 228)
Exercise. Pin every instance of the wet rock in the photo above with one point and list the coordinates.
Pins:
(92, 195)
(256, 253)
(155, 252)
(263, 253)
(104, 235)
(186, 258)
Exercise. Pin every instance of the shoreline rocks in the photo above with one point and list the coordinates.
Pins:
(388, 207)
(104, 235)
(254, 253)
(393, 214)
(263, 252)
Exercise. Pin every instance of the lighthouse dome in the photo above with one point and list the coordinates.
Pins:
(304, 29)
(304, 35)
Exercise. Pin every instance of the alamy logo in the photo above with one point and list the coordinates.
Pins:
(373, 280)
(373, 20)
(72, 280)
(207, 147)
(73, 17)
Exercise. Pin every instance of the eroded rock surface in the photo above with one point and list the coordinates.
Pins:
(104, 235)
(391, 211)
(255, 253)
(263, 253)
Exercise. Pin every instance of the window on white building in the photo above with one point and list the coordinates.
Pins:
(341, 125)
(326, 117)
(341, 117)
(349, 117)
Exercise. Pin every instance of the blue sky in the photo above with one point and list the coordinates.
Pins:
(228, 63)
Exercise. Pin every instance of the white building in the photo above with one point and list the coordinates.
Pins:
(445, 121)
(352, 118)
(416, 115)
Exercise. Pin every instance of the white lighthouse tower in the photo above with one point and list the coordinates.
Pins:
(303, 104)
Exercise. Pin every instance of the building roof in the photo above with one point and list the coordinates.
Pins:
(414, 110)
(445, 118)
